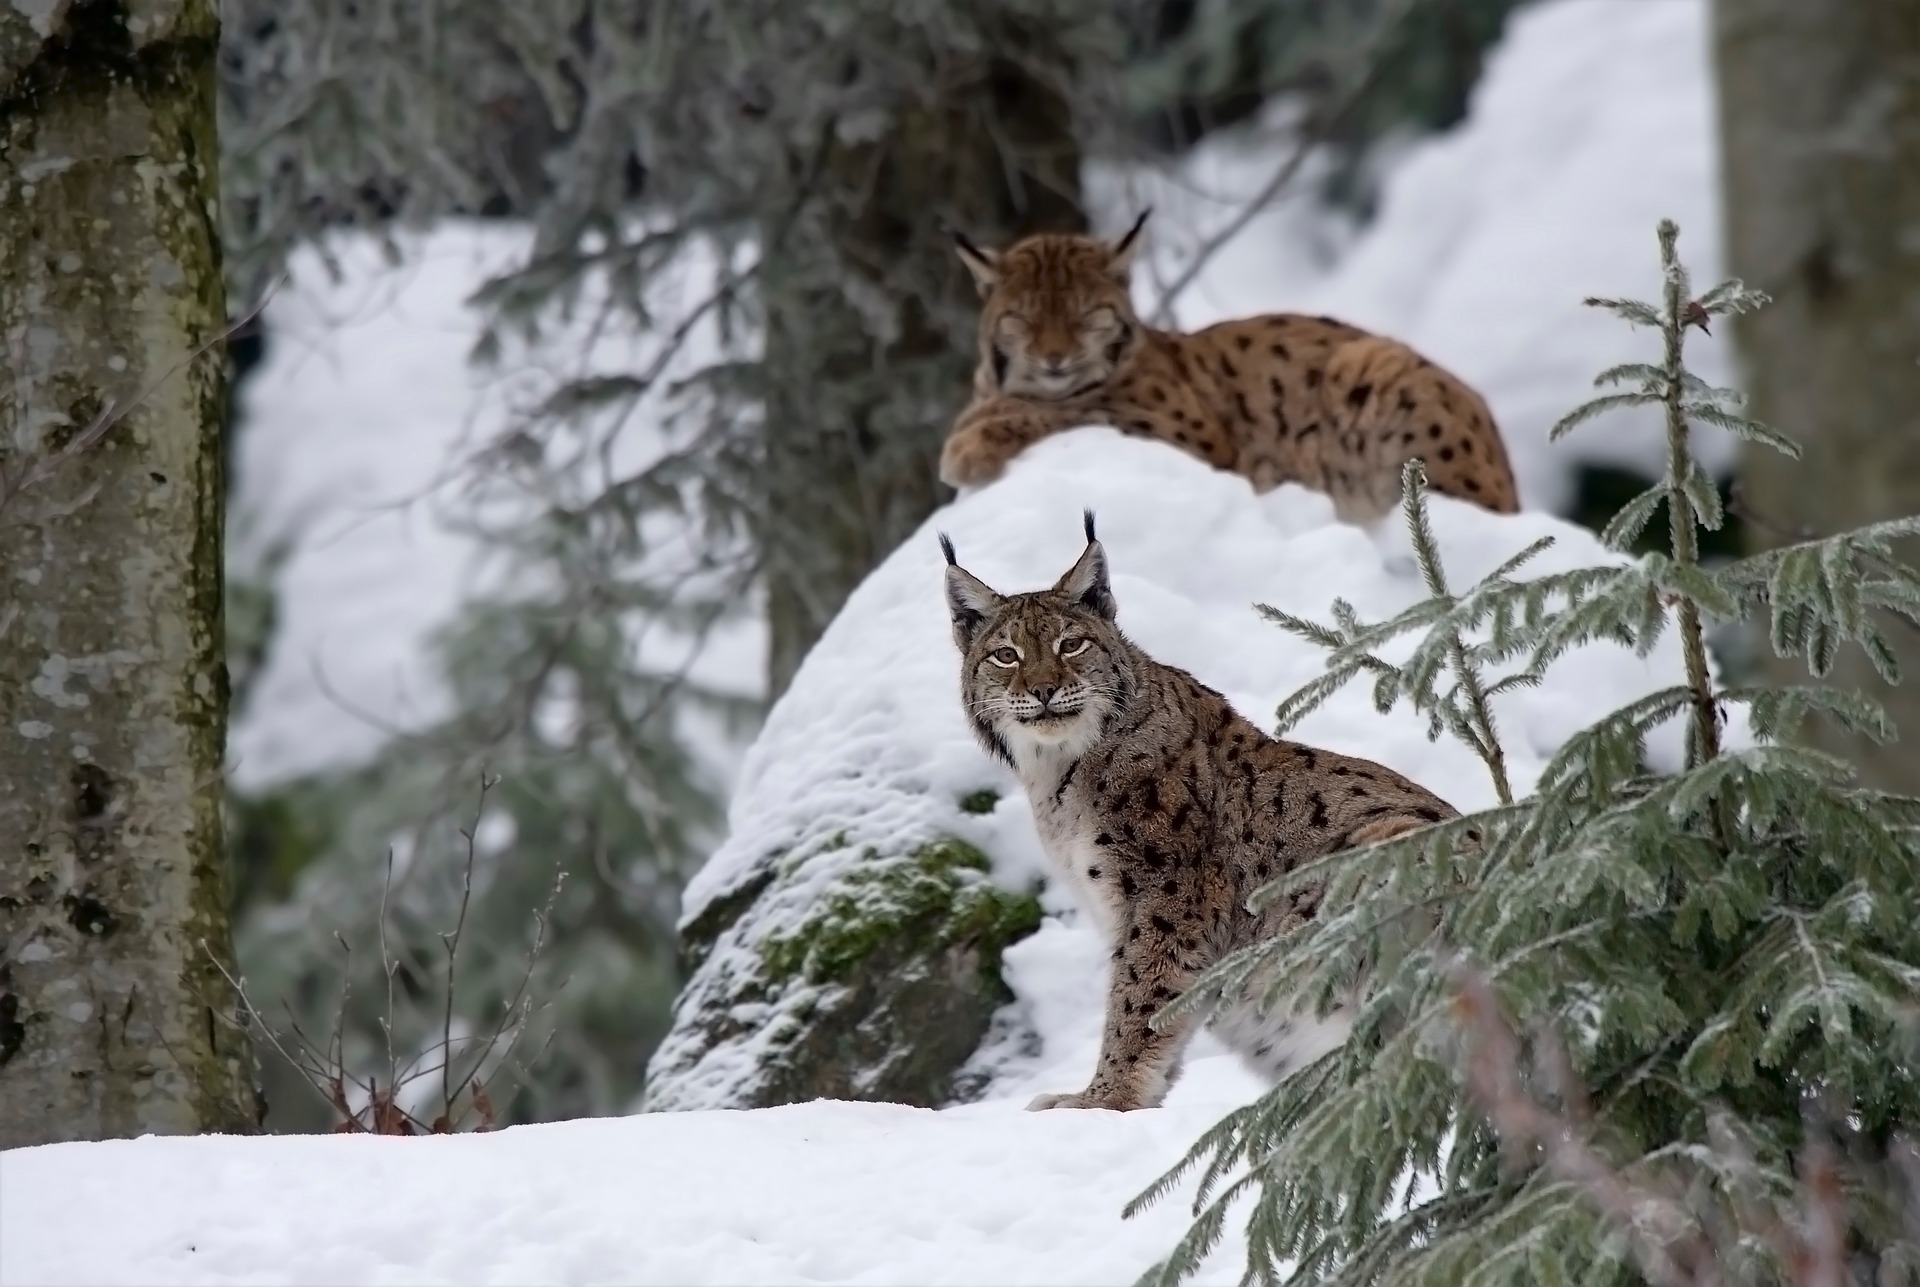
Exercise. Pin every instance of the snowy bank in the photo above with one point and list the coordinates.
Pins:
(866, 765)
(816, 1193)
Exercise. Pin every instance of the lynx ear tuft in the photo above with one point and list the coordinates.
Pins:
(1085, 584)
(971, 602)
(1120, 253)
(983, 264)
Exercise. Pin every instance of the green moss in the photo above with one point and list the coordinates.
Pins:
(985, 800)
(934, 897)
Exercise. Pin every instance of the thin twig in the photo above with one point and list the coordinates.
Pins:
(452, 943)
(1365, 71)
(517, 1002)
(1675, 1245)
(1667, 1252)
(1704, 745)
(388, 966)
(259, 1020)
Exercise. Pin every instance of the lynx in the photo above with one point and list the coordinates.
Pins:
(1163, 810)
(1279, 398)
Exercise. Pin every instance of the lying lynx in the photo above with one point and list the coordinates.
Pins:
(1163, 809)
(1280, 398)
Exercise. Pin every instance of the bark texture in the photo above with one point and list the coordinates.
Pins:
(1820, 130)
(870, 328)
(113, 695)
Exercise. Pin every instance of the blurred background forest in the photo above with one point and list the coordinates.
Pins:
(616, 345)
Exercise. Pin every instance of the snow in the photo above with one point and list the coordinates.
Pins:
(359, 406)
(817, 1193)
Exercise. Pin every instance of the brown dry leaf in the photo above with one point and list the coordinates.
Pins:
(388, 1118)
(483, 1106)
(337, 1096)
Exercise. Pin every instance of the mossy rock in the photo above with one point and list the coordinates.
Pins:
(883, 990)
(936, 897)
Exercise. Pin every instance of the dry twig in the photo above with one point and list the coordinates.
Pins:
(466, 1065)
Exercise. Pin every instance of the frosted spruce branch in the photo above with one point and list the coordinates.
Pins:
(1692, 500)
(1464, 709)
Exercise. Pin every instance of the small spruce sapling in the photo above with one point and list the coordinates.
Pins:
(1696, 957)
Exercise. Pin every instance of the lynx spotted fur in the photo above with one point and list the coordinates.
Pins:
(1163, 810)
(1279, 398)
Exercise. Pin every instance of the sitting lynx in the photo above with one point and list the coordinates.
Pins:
(1280, 398)
(1163, 809)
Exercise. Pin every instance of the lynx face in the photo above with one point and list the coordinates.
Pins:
(1043, 670)
(1057, 318)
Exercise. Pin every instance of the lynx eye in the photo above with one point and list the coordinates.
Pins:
(1073, 646)
(1101, 319)
(1004, 657)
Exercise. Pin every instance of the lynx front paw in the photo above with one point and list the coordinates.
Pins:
(971, 458)
(1083, 1099)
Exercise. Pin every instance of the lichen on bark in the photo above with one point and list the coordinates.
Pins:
(113, 695)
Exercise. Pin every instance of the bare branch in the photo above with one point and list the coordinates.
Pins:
(1363, 75)
(452, 944)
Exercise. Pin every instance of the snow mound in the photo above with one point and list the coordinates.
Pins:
(869, 746)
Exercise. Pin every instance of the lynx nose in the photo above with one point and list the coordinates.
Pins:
(1043, 693)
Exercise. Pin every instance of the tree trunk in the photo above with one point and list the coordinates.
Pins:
(1820, 130)
(870, 331)
(113, 695)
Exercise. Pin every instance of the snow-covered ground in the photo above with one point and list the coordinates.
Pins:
(817, 1193)
(871, 740)
(1592, 122)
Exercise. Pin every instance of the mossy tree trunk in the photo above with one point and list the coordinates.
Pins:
(113, 696)
(870, 325)
(1820, 129)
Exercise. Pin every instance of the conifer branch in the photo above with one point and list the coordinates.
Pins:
(1704, 743)
(1466, 708)
(1484, 738)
